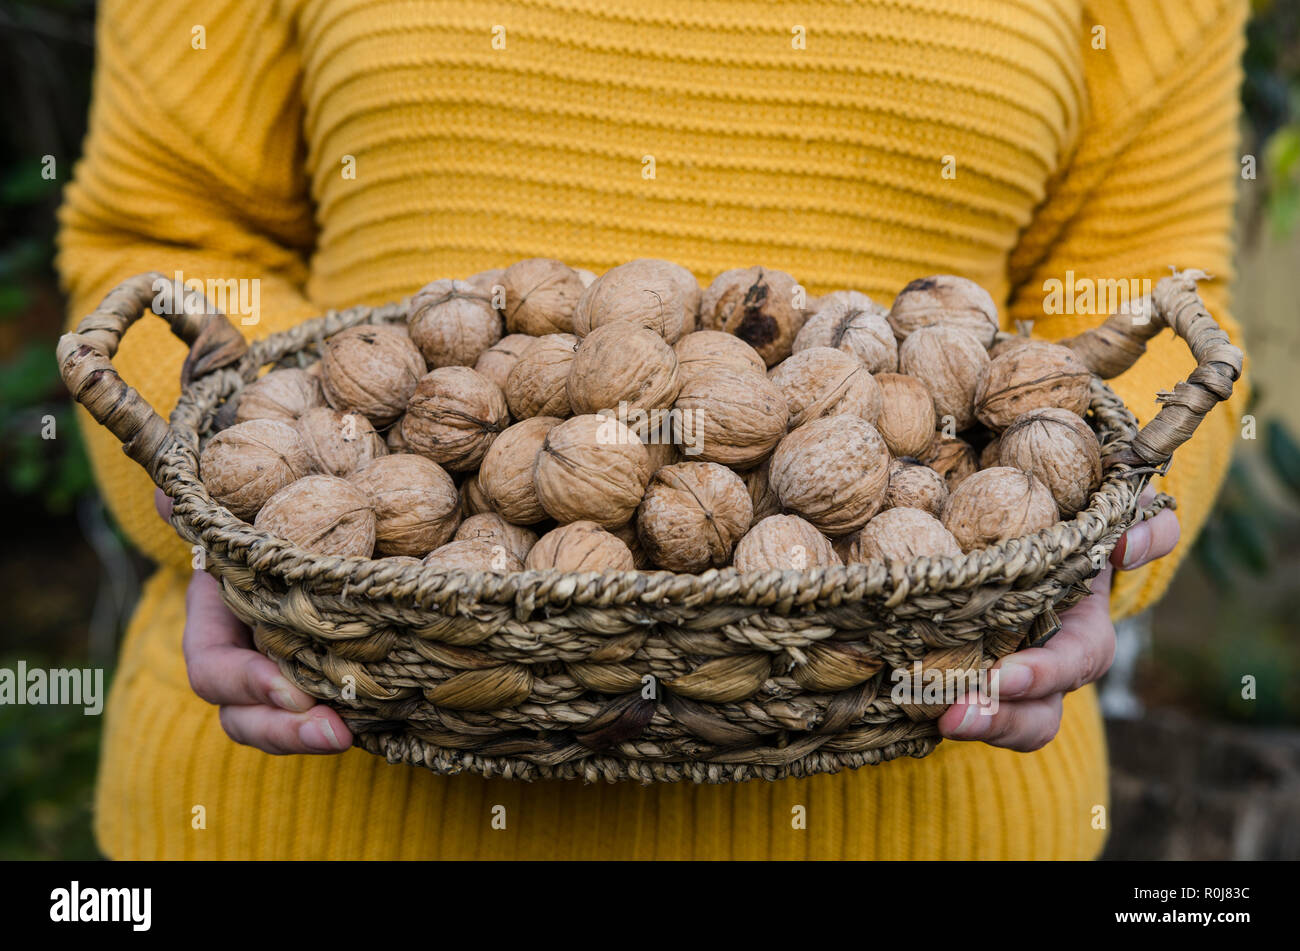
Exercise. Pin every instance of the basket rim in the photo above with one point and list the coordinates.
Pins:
(201, 519)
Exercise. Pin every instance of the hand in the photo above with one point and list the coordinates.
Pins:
(258, 706)
(1032, 683)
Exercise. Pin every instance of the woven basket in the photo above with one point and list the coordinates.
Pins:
(648, 676)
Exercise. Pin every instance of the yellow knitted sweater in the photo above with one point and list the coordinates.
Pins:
(345, 151)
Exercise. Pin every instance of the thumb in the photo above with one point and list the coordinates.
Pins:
(163, 504)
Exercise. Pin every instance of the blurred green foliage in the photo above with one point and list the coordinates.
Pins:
(1271, 100)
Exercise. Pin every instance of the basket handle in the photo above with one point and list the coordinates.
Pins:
(85, 360)
(1114, 346)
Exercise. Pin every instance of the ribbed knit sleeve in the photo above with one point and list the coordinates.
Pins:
(1151, 185)
(193, 163)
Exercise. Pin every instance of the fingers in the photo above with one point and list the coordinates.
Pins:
(162, 503)
(223, 668)
(1023, 726)
(1080, 652)
(319, 730)
(1146, 541)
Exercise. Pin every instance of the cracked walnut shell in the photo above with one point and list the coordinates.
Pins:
(756, 304)
(692, 515)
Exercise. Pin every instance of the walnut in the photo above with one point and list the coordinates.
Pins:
(587, 277)
(825, 382)
(453, 417)
(472, 500)
(339, 443)
(833, 471)
(952, 457)
(580, 546)
(371, 369)
(996, 504)
(473, 554)
(646, 292)
(949, 361)
(945, 300)
(506, 475)
(692, 516)
(498, 360)
(591, 468)
(917, 486)
(394, 439)
(538, 384)
(627, 535)
(1058, 448)
(323, 514)
(662, 452)
(734, 418)
(758, 306)
(707, 350)
(281, 394)
(1006, 345)
(245, 465)
(453, 323)
(990, 453)
(784, 543)
(495, 530)
(623, 367)
(1035, 375)
(901, 534)
(907, 421)
(489, 280)
(415, 503)
(541, 295)
(855, 324)
(761, 496)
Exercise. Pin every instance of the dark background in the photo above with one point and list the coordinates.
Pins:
(1198, 772)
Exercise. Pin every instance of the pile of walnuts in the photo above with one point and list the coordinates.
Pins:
(544, 418)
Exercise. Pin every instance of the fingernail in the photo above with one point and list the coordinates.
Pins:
(284, 697)
(1136, 542)
(319, 735)
(972, 725)
(1014, 678)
